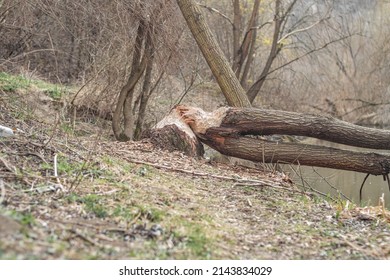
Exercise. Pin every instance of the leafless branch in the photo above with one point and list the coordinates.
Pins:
(301, 29)
(364, 105)
(308, 53)
(211, 9)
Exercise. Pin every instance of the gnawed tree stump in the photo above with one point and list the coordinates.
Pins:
(226, 130)
(172, 133)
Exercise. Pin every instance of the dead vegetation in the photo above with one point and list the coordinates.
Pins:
(74, 193)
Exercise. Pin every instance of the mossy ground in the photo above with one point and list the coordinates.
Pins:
(112, 200)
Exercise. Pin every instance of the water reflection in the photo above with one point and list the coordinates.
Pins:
(331, 181)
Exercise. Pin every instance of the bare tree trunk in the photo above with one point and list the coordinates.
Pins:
(253, 29)
(145, 93)
(255, 88)
(250, 33)
(225, 130)
(129, 87)
(125, 99)
(236, 35)
(230, 86)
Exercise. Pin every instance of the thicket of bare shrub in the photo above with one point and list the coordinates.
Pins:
(90, 43)
(342, 70)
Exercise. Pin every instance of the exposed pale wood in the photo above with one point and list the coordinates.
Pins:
(172, 133)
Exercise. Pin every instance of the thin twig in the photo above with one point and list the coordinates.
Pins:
(87, 82)
(310, 188)
(83, 224)
(53, 132)
(301, 175)
(301, 30)
(332, 187)
(2, 191)
(29, 154)
(216, 11)
(359, 248)
(25, 54)
(133, 221)
(85, 238)
(55, 166)
(87, 160)
(361, 188)
(8, 166)
(308, 53)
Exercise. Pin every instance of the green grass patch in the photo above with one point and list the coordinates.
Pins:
(131, 212)
(198, 242)
(124, 212)
(153, 215)
(194, 237)
(94, 204)
(24, 218)
(27, 219)
(12, 83)
(74, 198)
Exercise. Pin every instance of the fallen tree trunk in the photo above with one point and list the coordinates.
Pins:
(224, 130)
(251, 121)
(260, 150)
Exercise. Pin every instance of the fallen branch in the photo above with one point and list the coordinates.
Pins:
(260, 150)
(8, 166)
(85, 238)
(280, 185)
(250, 184)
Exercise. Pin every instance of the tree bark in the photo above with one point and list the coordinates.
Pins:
(145, 92)
(129, 87)
(225, 130)
(230, 86)
(268, 122)
(237, 17)
(259, 150)
(249, 61)
(249, 38)
(128, 117)
(125, 99)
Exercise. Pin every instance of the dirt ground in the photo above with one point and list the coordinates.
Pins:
(71, 193)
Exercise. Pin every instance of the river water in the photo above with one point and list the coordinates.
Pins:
(338, 182)
(335, 182)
